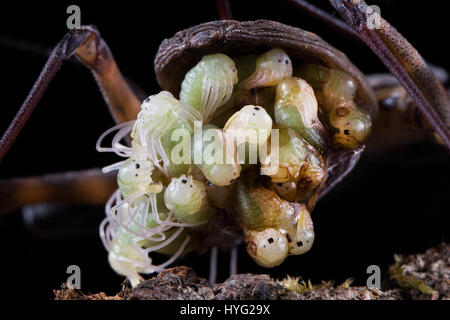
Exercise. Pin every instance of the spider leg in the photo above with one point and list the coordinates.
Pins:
(90, 187)
(213, 265)
(398, 55)
(329, 20)
(36, 49)
(399, 122)
(224, 9)
(88, 46)
(404, 62)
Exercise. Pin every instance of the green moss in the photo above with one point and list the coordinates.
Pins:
(397, 273)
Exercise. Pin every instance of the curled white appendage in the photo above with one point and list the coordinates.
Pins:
(209, 84)
(132, 215)
(129, 241)
(165, 242)
(118, 148)
(162, 154)
(126, 213)
(106, 233)
(214, 95)
(113, 167)
(191, 114)
(159, 113)
(170, 223)
(162, 266)
(271, 67)
(136, 153)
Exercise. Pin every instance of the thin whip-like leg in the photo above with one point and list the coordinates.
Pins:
(213, 265)
(398, 55)
(233, 260)
(88, 46)
(91, 187)
(326, 18)
(224, 9)
(36, 49)
(403, 61)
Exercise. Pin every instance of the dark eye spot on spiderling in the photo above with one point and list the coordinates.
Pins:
(256, 108)
(299, 243)
(183, 181)
(190, 185)
(270, 240)
(136, 175)
(279, 184)
(137, 166)
(279, 60)
(288, 237)
(286, 61)
(346, 132)
(253, 113)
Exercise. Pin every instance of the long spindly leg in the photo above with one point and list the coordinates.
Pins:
(404, 62)
(398, 55)
(88, 46)
(398, 122)
(326, 18)
(224, 9)
(87, 187)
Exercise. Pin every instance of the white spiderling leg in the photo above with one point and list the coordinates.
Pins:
(175, 256)
(104, 234)
(107, 132)
(120, 149)
(112, 167)
(206, 98)
(161, 152)
(153, 156)
(170, 223)
(212, 104)
(190, 113)
(166, 242)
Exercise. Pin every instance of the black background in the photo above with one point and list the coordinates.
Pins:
(395, 203)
